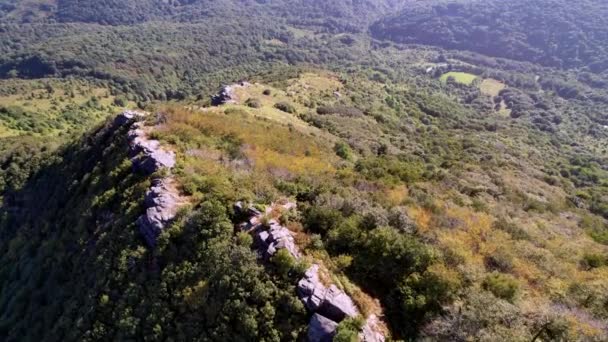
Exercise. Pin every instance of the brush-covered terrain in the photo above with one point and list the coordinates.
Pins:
(453, 196)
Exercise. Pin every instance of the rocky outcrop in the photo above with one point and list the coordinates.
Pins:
(147, 155)
(321, 329)
(270, 237)
(226, 94)
(275, 238)
(162, 200)
(162, 204)
(126, 117)
(328, 304)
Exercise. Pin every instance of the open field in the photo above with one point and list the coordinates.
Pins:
(459, 77)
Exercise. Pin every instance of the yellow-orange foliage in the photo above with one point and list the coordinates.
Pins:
(271, 147)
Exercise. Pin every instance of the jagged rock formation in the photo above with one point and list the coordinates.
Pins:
(162, 200)
(328, 304)
(226, 94)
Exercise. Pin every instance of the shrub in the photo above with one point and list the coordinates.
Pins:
(374, 217)
(120, 101)
(285, 107)
(321, 219)
(267, 92)
(399, 219)
(348, 330)
(253, 103)
(339, 110)
(346, 237)
(501, 285)
(512, 229)
(343, 261)
(390, 169)
(385, 255)
(501, 260)
(244, 239)
(595, 227)
(342, 150)
(419, 296)
(594, 260)
(316, 242)
(290, 215)
(284, 262)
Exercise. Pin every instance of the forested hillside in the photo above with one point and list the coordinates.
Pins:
(435, 170)
(557, 33)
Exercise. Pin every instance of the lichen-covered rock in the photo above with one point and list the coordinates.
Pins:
(321, 329)
(152, 162)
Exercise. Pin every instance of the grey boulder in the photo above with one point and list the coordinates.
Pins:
(321, 329)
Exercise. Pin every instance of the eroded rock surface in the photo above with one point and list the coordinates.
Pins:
(128, 116)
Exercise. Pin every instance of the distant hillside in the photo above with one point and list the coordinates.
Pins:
(334, 14)
(557, 33)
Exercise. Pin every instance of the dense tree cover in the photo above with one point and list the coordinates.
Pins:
(335, 15)
(557, 33)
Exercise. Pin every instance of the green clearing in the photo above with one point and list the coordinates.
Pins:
(491, 87)
(459, 77)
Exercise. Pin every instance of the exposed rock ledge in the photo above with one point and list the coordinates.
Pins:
(226, 94)
(162, 200)
(329, 305)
